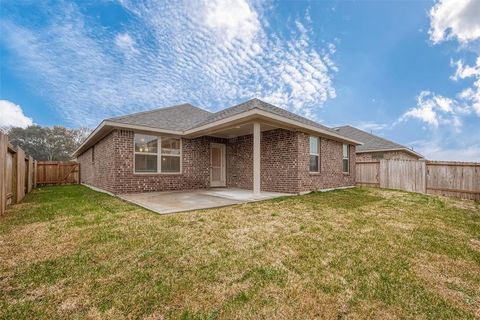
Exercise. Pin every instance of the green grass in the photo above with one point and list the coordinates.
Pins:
(70, 252)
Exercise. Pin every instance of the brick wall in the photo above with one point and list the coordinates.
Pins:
(240, 162)
(195, 168)
(279, 161)
(284, 164)
(331, 172)
(387, 155)
(100, 172)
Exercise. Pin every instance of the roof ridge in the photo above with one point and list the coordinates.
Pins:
(256, 103)
(375, 136)
(213, 114)
(156, 109)
(293, 113)
(234, 106)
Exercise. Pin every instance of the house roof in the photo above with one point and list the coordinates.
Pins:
(261, 105)
(179, 117)
(371, 142)
(185, 116)
(188, 120)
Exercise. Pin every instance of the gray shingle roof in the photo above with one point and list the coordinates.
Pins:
(261, 105)
(370, 142)
(185, 116)
(180, 117)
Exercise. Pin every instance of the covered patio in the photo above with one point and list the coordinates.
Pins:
(179, 201)
(235, 156)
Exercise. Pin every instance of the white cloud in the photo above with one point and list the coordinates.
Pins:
(471, 96)
(452, 122)
(12, 115)
(433, 110)
(457, 19)
(371, 126)
(125, 42)
(232, 19)
(464, 71)
(211, 54)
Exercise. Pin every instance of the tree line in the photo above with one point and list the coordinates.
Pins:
(48, 143)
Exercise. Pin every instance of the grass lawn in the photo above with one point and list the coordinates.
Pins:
(70, 252)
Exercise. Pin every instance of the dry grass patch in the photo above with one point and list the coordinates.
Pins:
(456, 280)
(70, 252)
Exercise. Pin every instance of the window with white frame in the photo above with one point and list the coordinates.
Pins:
(346, 158)
(157, 154)
(314, 154)
(146, 153)
(170, 154)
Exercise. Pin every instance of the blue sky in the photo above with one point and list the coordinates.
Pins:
(405, 70)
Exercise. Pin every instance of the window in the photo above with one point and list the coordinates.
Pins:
(346, 158)
(93, 153)
(170, 155)
(377, 155)
(314, 154)
(146, 150)
(150, 158)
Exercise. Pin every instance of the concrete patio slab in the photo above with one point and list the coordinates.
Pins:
(178, 201)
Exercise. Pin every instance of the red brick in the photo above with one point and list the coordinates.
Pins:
(284, 164)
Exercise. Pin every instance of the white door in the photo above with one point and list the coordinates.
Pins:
(217, 165)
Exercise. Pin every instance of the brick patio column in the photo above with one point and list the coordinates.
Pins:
(256, 157)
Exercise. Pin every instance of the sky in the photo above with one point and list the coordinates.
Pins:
(408, 71)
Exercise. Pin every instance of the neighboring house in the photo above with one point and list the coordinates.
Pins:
(375, 148)
(253, 145)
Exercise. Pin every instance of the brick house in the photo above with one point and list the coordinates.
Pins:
(253, 145)
(375, 148)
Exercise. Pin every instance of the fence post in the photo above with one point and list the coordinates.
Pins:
(79, 174)
(30, 174)
(35, 173)
(382, 168)
(3, 172)
(20, 174)
(425, 175)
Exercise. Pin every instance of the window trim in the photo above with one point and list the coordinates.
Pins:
(346, 158)
(159, 156)
(314, 154)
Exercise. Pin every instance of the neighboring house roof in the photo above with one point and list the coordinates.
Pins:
(371, 142)
(188, 120)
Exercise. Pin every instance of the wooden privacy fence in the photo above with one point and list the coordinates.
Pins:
(58, 172)
(17, 174)
(457, 179)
